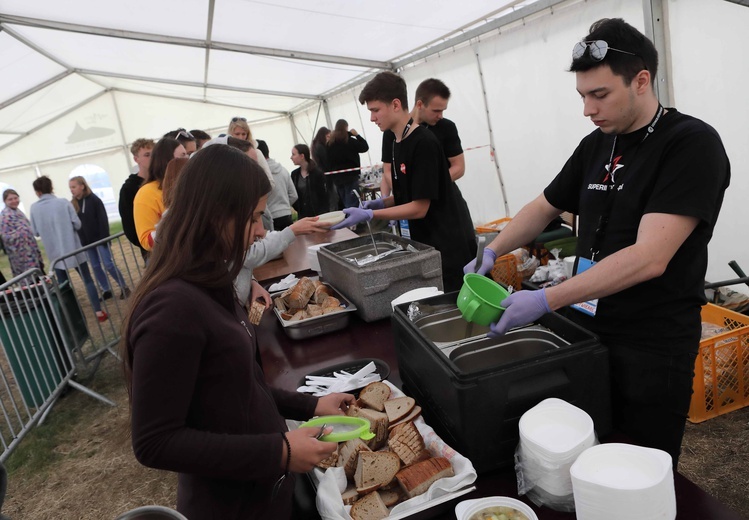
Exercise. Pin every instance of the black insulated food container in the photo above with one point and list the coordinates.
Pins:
(473, 389)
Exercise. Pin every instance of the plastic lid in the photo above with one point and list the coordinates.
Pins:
(344, 427)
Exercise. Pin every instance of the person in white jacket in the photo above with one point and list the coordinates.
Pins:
(283, 194)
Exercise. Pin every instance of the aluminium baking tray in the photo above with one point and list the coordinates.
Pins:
(317, 325)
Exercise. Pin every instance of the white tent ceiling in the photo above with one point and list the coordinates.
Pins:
(266, 56)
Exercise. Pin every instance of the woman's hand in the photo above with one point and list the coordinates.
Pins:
(306, 450)
(334, 404)
(307, 225)
(257, 292)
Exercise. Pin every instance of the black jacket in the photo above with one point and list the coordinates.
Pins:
(314, 200)
(127, 195)
(94, 220)
(345, 154)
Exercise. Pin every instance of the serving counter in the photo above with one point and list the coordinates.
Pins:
(287, 361)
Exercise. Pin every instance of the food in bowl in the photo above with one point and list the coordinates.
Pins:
(498, 513)
(332, 218)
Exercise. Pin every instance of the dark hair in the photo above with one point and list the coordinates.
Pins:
(218, 190)
(303, 149)
(239, 144)
(140, 143)
(340, 132)
(43, 185)
(200, 135)
(162, 153)
(430, 88)
(10, 191)
(385, 86)
(172, 173)
(181, 135)
(263, 147)
(321, 136)
(620, 35)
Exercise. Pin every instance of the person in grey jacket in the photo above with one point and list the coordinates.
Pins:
(283, 194)
(54, 220)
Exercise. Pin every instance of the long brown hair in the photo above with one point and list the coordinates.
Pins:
(340, 132)
(173, 171)
(219, 189)
(162, 153)
(86, 191)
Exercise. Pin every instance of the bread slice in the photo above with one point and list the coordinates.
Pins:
(407, 442)
(390, 497)
(409, 418)
(416, 479)
(256, 312)
(348, 455)
(369, 507)
(378, 424)
(374, 395)
(399, 407)
(330, 461)
(375, 469)
(349, 496)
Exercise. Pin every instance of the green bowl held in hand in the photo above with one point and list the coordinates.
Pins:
(479, 299)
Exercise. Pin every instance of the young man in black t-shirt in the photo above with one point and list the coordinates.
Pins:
(648, 185)
(424, 199)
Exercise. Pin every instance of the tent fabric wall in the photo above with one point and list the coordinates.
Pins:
(533, 109)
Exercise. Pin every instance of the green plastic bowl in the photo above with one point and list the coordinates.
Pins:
(345, 428)
(479, 299)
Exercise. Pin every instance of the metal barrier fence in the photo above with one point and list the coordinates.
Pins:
(105, 274)
(50, 332)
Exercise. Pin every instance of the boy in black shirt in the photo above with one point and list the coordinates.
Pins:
(424, 199)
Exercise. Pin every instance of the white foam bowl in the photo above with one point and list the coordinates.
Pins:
(623, 481)
(332, 218)
(555, 429)
(466, 509)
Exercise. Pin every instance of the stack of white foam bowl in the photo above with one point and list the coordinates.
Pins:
(312, 250)
(622, 481)
(552, 435)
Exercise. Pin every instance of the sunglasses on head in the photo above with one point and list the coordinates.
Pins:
(597, 50)
(235, 119)
(183, 133)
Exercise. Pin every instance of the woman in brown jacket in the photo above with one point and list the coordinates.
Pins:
(200, 404)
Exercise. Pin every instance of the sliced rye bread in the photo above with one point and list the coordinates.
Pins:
(374, 395)
(396, 409)
(330, 461)
(369, 507)
(350, 495)
(348, 455)
(407, 442)
(391, 496)
(375, 469)
(378, 424)
(416, 479)
(409, 418)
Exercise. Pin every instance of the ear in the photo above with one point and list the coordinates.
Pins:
(642, 82)
(397, 104)
(419, 104)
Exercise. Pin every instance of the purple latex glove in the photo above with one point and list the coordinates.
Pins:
(521, 308)
(354, 216)
(374, 204)
(486, 264)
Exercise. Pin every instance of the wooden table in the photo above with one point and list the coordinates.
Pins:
(295, 259)
(286, 362)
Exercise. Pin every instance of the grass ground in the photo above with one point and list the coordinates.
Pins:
(79, 464)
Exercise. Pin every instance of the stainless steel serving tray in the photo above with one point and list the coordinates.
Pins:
(317, 325)
(361, 252)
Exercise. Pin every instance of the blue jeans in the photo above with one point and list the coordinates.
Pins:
(102, 255)
(88, 282)
(346, 193)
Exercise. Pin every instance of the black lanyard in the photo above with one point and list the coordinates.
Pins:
(614, 186)
(405, 133)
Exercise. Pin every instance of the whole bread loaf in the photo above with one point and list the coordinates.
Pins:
(416, 479)
(300, 294)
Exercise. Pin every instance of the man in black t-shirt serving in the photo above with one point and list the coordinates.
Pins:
(647, 185)
(424, 200)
